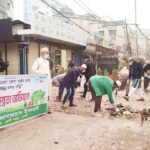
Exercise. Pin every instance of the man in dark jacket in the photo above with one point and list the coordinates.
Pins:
(146, 76)
(90, 71)
(69, 82)
(135, 73)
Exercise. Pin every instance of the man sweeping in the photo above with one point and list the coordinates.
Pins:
(102, 85)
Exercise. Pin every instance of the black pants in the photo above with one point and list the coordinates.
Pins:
(86, 89)
(97, 99)
(146, 82)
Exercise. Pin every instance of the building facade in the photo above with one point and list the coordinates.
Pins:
(6, 9)
(65, 40)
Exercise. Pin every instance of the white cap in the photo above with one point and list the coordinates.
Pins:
(44, 49)
(84, 66)
(118, 83)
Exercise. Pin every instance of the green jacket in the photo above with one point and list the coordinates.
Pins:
(103, 85)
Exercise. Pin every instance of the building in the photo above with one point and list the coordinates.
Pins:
(6, 8)
(104, 55)
(64, 39)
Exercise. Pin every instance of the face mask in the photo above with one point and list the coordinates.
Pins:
(46, 56)
(83, 71)
(130, 63)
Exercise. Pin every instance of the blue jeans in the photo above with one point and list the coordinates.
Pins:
(61, 90)
(69, 95)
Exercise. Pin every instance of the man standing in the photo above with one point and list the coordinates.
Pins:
(69, 82)
(90, 71)
(102, 85)
(41, 66)
(146, 76)
(135, 73)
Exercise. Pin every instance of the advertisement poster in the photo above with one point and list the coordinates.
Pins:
(22, 97)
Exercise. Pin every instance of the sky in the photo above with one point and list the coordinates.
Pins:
(116, 9)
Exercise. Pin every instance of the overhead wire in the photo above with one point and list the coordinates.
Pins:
(68, 18)
(65, 17)
(87, 11)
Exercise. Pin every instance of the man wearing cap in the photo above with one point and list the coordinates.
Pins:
(69, 82)
(41, 65)
(102, 85)
(135, 73)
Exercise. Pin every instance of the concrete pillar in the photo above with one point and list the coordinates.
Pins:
(23, 54)
(64, 59)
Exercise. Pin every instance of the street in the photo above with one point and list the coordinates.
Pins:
(75, 128)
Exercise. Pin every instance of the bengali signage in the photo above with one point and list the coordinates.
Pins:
(22, 97)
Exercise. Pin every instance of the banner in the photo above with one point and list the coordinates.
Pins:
(22, 97)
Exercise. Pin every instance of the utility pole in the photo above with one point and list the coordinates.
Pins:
(147, 49)
(136, 38)
(128, 44)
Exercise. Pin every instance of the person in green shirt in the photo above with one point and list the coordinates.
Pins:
(102, 85)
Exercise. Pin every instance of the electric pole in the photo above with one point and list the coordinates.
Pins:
(136, 38)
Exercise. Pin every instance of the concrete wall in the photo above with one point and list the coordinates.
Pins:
(32, 55)
(64, 59)
(69, 54)
(2, 50)
(16, 28)
(13, 58)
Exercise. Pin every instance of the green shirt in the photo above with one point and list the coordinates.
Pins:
(103, 85)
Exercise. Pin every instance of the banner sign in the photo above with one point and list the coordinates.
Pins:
(22, 97)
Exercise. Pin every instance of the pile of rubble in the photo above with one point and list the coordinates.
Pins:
(125, 111)
(130, 113)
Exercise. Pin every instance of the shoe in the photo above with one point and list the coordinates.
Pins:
(96, 114)
(49, 110)
(140, 99)
(72, 105)
(126, 98)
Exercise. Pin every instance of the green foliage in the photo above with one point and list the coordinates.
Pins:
(125, 58)
(62, 70)
(99, 71)
(106, 73)
(141, 60)
(115, 74)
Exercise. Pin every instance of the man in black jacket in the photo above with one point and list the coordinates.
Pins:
(69, 82)
(135, 73)
(90, 71)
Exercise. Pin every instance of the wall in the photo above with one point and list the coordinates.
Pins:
(2, 50)
(32, 55)
(64, 59)
(13, 58)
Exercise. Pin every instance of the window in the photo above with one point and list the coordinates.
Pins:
(101, 33)
(8, 6)
(112, 33)
(58, 57)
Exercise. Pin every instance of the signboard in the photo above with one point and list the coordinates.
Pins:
(5, 30)
(22, 97)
